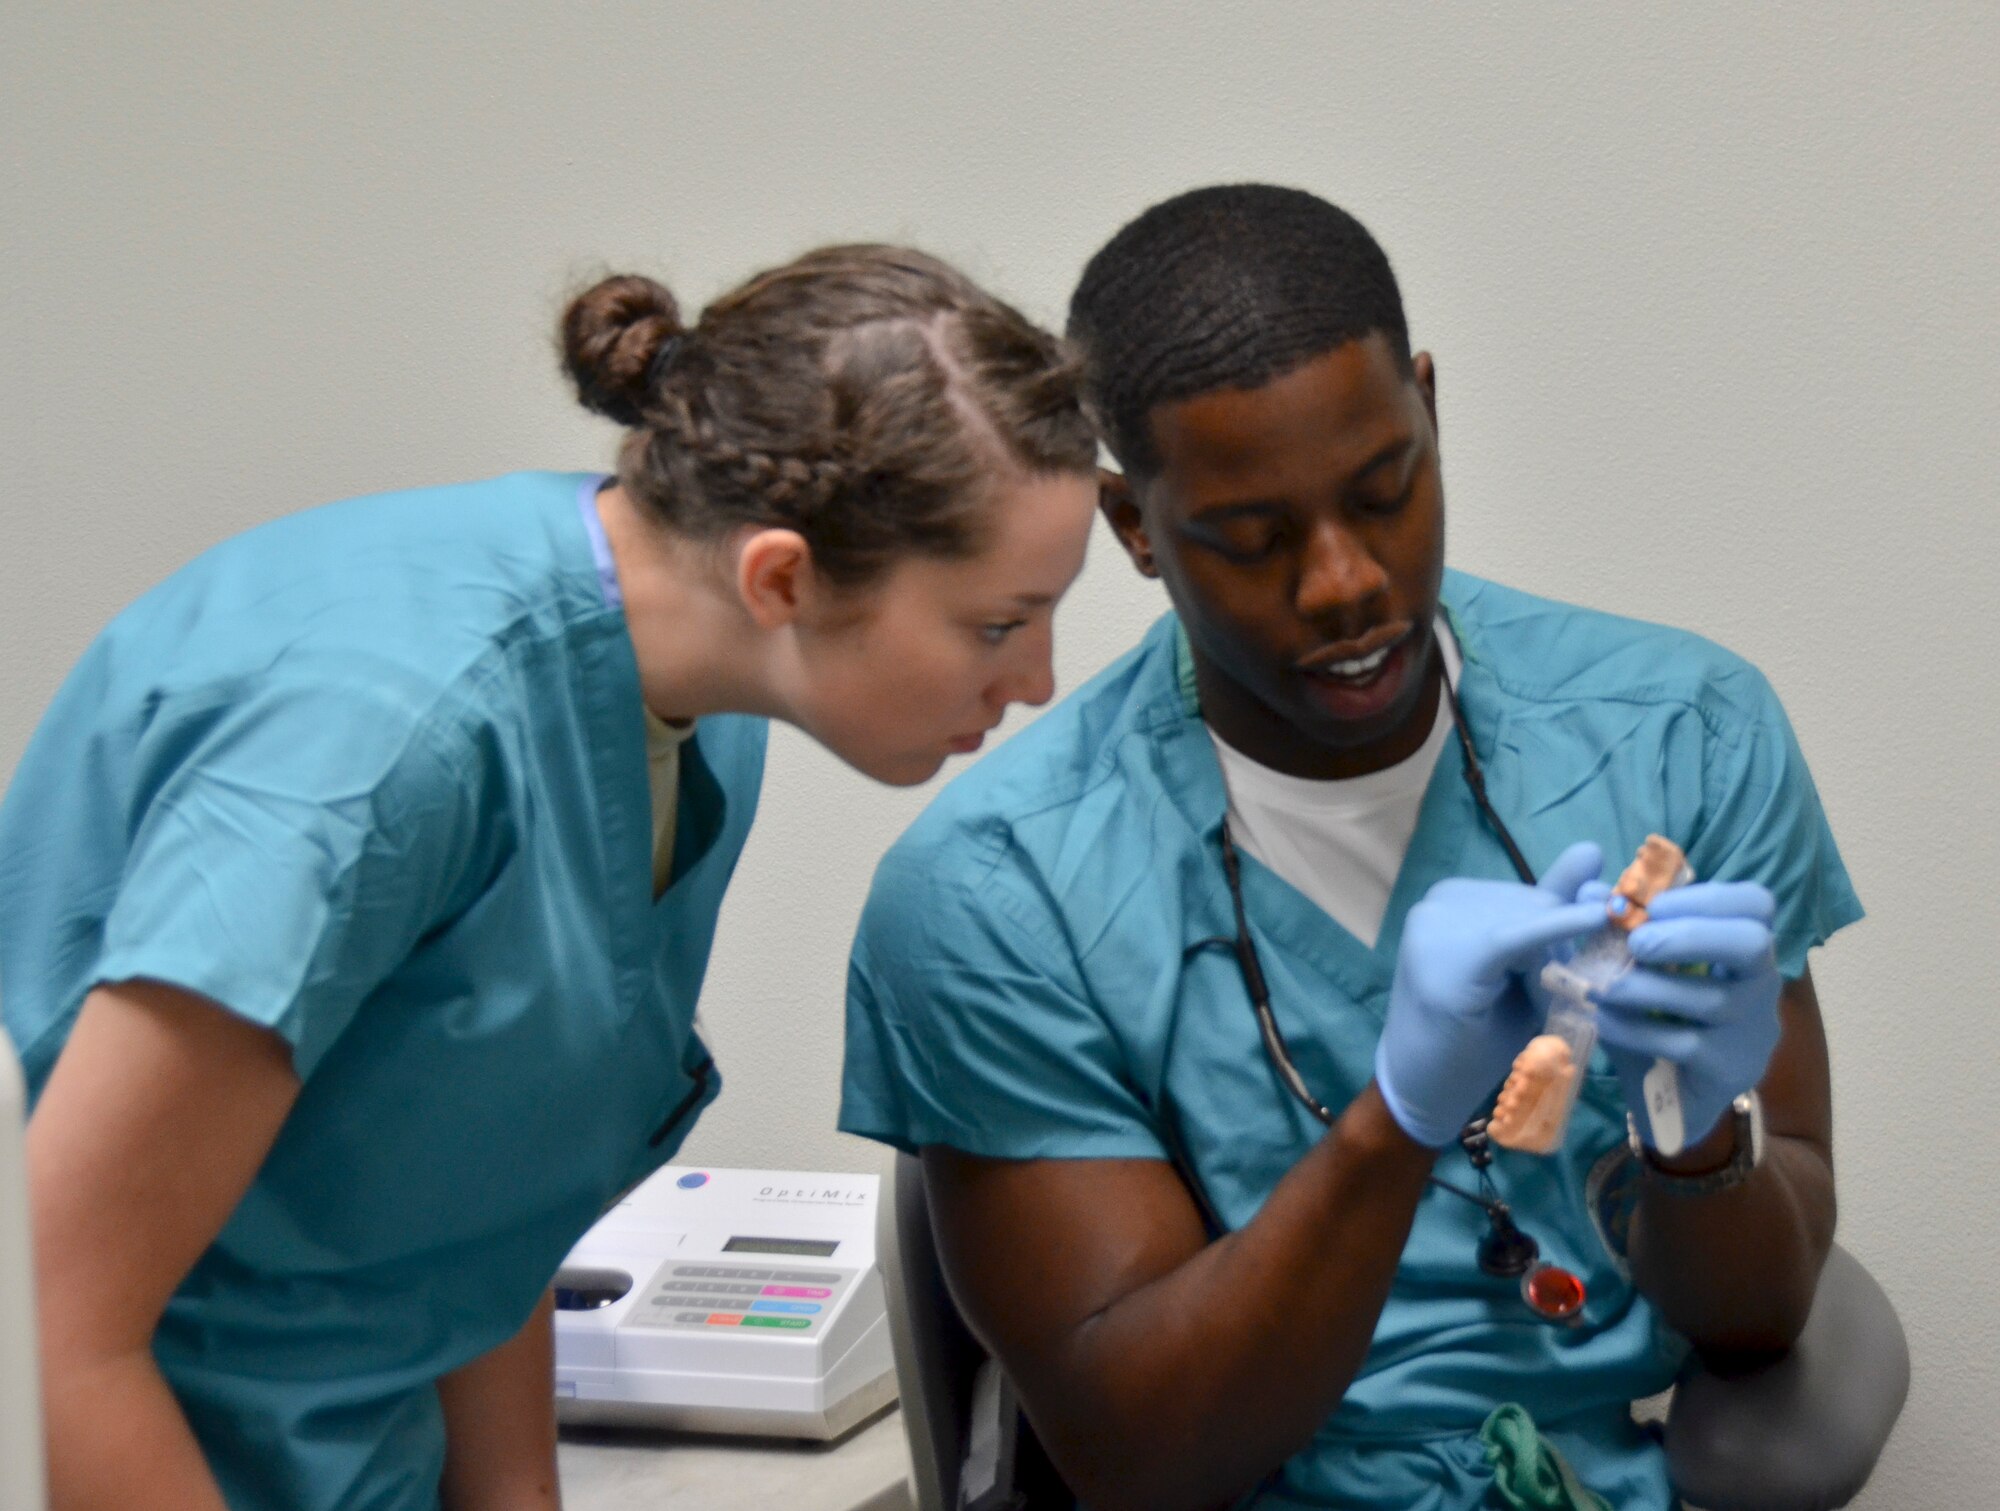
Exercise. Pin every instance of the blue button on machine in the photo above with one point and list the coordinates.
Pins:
(794, 1307)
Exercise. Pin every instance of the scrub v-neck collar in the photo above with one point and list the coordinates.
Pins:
(1448, 835)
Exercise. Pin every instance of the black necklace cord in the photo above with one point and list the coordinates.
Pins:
(1472, 1138)
(1275, 1048)
(1475, 778)
(1483, 1203)
(1246, 951)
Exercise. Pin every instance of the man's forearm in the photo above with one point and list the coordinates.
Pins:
(500, 1424)
(1734, 1271)
(1200, 1382)
(118, 1438)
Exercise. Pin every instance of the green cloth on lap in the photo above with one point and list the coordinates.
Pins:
(1528, 1474)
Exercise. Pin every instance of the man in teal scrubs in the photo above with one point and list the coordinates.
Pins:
(1205, 1293)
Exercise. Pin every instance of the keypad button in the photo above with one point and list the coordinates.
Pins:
(705, 1299)
(787, 1322)
(690, 1316)
(727, 1319)
(796, 1308)
(799, 1292)
(806, 1277)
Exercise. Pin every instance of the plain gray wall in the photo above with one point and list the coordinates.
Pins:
(1712, 292)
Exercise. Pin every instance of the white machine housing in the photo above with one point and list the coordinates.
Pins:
(737, 1301)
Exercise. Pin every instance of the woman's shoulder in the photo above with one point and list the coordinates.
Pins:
(459, 551)
(398, 621)
(411, 585)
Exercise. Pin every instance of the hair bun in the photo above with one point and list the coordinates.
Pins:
(610, 334)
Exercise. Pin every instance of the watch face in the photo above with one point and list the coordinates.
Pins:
(1747, 1116)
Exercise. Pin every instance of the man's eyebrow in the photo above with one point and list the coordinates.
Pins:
(1235, 508)
(1034, 600)
(1395, 450)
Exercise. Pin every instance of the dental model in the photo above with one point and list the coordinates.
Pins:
(1658, 866)
(1533, 1109)
(1534, 1104)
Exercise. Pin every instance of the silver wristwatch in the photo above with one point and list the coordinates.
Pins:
(1748, 1112)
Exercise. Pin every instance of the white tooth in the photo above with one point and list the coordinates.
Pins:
(1361, 665)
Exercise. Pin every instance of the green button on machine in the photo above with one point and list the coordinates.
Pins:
(777, 1322)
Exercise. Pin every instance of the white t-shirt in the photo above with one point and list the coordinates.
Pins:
(663, 770)
(1341, 843)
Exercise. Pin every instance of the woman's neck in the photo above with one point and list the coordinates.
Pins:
(698, 652)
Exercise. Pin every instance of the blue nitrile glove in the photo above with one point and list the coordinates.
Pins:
(1719, 1028)
(1458, 1013)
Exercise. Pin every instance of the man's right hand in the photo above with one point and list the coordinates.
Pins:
(1459, 1011)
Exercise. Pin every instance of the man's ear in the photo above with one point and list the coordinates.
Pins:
(1423, 369)
(1120, 508)
(774, 576)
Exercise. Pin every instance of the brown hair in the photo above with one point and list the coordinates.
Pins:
(868, 397)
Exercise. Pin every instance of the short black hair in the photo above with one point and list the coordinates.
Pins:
(1224, 287)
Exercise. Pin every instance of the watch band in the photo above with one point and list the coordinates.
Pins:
(1748, 1113)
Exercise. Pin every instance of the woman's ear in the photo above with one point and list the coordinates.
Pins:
(1115, 501)
(774, 576)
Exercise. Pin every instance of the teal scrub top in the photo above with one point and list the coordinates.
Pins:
(374, 776)
(1036, 976)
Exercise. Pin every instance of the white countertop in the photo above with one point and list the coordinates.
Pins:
(633, 1469)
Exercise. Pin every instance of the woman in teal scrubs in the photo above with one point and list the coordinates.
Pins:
(356, 890)
(1207, 1293)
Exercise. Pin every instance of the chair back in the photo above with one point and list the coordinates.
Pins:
(937, 1359)
(970, 1447)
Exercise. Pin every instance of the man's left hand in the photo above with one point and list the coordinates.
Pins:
(1719, 1028)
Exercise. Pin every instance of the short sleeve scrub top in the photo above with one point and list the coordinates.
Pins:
(374, 777)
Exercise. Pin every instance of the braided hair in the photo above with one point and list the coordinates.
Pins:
(869, 397)
(1223, 287)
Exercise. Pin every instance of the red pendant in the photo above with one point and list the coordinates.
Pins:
(1553, 1293)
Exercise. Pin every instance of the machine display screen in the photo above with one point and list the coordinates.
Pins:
(811, 1248)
